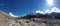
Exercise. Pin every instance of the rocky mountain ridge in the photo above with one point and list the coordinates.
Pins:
(29, 20)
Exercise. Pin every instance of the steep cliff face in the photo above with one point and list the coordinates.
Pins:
(7, 20)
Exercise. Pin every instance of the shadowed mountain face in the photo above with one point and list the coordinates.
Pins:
(47, 15)
(56, 15)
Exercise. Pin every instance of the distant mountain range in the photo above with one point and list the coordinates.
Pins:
(36, 18)
(49, 13)
(33, 19)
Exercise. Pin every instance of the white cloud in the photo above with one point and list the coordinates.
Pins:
(54, 9)
(12, 15)
(38, 11)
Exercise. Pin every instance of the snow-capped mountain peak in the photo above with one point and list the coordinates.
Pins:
(54, 9)
(12, 15)
(38, 11)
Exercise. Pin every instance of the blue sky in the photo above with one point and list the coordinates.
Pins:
(22, 7)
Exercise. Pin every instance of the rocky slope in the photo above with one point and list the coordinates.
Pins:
(7, 20)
